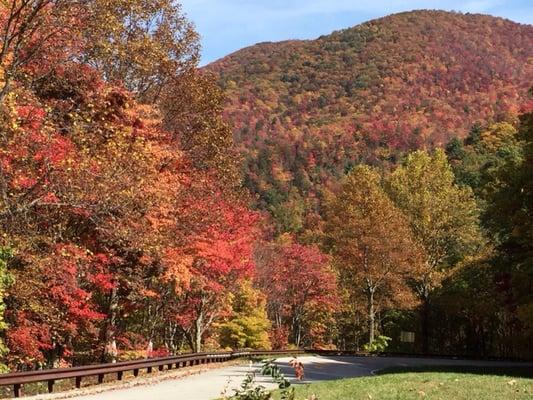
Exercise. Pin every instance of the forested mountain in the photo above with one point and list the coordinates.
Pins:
(342, 139)
(306, 111)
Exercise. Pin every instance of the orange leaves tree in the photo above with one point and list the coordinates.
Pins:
(117, 235)
(35, 32)
(373, 248)
(141, 44)
(64, 188)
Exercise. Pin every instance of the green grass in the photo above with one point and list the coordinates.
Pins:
(434, 385)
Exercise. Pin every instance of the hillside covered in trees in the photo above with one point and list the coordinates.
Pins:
(305, 112)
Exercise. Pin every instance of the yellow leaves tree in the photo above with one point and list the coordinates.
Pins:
(144, 44)
(497, 135)
(249, 324)
(192, 109)
(373, 248)
(443, 218)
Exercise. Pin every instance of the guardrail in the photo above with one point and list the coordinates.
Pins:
(18, 379)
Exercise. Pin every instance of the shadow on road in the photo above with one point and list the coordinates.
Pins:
(339, 367)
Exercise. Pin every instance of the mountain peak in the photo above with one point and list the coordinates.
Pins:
(368, 93)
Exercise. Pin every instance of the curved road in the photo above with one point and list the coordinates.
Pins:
(210, 384)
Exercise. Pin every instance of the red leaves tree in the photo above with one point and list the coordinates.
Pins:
(222, 256)
(301, 290)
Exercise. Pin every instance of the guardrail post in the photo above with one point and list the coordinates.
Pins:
(119, 375)
(136, 372)
(100, 378)
(149, 370)
(78, 382)
(17, 389)
(161, 367)
(51, 385)
(169, 366)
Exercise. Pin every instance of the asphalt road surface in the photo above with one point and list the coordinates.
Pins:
(210, 384)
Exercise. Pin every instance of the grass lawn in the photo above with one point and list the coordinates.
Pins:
(431, 385)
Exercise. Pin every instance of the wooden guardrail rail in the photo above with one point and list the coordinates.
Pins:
(18, 379)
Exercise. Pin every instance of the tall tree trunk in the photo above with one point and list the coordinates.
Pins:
(296, 328)
(171, 331)
(371, 316)
(109, 354)
(189, 336)
(198, 333)
(424, 315)
(298, 335)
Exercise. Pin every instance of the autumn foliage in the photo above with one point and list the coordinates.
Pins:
(131, 226)
(301, 292)
(387, 93)
(118, 234)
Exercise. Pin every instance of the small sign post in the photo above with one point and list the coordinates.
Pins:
(407, 337)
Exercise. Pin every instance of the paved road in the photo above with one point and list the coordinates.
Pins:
(210, 384)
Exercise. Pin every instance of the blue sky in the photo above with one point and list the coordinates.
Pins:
(228, 25)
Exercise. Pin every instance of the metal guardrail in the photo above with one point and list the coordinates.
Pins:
(18, 379)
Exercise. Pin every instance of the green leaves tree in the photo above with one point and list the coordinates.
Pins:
(5, 281)
(509, 217)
